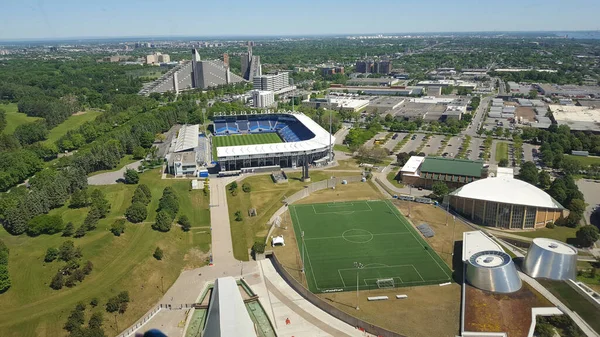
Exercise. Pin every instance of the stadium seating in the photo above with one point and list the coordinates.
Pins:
(286, 126)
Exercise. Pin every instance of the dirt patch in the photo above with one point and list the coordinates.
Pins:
(445, 235)
(510, 313)
(78, 113)
(349, 192)
(526, 112)
(195, 258)
(413, 316)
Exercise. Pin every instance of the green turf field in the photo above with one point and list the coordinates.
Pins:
(372, 233)
(249, 139)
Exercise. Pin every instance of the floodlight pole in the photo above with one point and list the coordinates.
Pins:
(302, 252)
(358, 267)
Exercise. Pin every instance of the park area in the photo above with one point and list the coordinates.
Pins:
(31, 308)
(15, 118)
(387, 250)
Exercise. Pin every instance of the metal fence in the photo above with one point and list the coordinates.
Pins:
(320, 185)
(328, 308)
(135, 327)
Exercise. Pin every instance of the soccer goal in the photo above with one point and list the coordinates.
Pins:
(385, 283)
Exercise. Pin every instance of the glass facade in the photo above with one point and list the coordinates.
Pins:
(478, 214)
(504, 212)
(518, 213)
(490, 214)
(530, 217)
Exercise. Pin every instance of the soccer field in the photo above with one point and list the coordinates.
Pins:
(371, 233)
(248, 139)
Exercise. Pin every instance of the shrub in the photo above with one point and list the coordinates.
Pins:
(136, 213)
(238, 216)
(87, 269)
(118, 227)
(185, 223)
(45, 224)
(94, 302)
(80, 232)
(131, 176)
(158, 253)
(51, 254)
(258, 247)
(550, 225)
(163, 222)
(246, 187)
(69, 229)
(57, 281)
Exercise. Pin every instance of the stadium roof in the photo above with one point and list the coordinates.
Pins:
(508, 191)
(187, 138)
(227, 314)
(451, 166)
(319, 141)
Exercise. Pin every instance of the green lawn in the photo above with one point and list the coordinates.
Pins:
(31, 308)
(501, 151)
(373, 233)
(249, 139)
(585, 161)
(126, 160)
(391, 177)
(266, 197)
(342, 148)
(564, 234)
(574, 301)
(14, 118)
(72, 123)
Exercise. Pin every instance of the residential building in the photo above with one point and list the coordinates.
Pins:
(383, 67)
(365, 67)
(262, 99)
(272, 82)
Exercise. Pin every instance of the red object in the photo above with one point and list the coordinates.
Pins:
(287, 322)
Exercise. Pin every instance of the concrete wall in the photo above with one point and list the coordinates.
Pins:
(328, 308)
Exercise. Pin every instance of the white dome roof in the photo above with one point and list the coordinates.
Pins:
(507, 190)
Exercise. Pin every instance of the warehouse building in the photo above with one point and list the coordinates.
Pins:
(505, 202)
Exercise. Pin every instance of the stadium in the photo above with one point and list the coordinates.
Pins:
(247, 142)
(505, 202)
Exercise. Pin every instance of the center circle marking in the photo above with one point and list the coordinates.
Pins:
(357, 236)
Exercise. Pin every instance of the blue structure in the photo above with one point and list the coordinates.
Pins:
(286, 126)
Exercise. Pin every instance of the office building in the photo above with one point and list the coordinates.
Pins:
(262, 99)
(272, 82)
(250, 64)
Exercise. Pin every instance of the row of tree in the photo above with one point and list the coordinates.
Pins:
(72, 271)
(138, 212)
(75, 323)
(168, 207)
(4, 276)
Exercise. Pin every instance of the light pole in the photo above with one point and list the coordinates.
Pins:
(302, 252)
(358, 267)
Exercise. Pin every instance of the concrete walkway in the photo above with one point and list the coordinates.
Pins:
(110, 178)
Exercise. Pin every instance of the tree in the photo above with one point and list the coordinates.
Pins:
(144, 188)
(87, 269)
(439, 188)
(587, 235)
(112, 305)
(163, 222)
(94, 302)
(51, 254)
(139, 152)
(185, 223)
(577, 206)
(67, 251)
(79, 199)
(544, 330)
(96, 320)
(140, 196)
(570, 165)
(136, 213)
(158, 253)
(57, 281)
(31, 132)
(503, 162)
(80, 232)
(118, 227)
(529, 173)
(238, 216)
(76, 318)
(233, 186)
(544, 180)
(131, 176)
(45, 224)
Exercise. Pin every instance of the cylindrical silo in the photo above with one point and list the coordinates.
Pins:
(493, 271)
(551, 259)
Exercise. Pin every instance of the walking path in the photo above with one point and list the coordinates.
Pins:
(110, 178)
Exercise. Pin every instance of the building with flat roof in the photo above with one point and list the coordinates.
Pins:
(272, 82)
(578, 118)
(453, 172)
(331, 70)
(383, 67)
(505, 202)
(381, 81)
(580, 91)
(364, 66)
(388, 91)
(344, 104)
(262, 99)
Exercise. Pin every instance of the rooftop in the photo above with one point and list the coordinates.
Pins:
(227, 314)
(452, 166)
(508, 191)
(584, 118)
(555, 246)
(412, 165)
(187, 138)
(475, 242)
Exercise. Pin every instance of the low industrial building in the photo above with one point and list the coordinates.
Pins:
(343, 104)
(430, 108)
(425, 171)
(505, 202)
(579, 91)
(380, 82)
(393, 91)
(187, 152)
(384, 104)
(577, 118)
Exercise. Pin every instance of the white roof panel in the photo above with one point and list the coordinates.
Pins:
(321, 140)
(507, 190)
(413, 164)
(475, 242)
(227, 314)
(187, 138)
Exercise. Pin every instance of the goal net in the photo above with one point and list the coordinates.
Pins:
(385, 283)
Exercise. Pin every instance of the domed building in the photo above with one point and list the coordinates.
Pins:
(505, 202)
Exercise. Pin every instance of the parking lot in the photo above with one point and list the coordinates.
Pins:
(591, 194)
(528, 152)
(413, 145)
(391, 143)
(371, 141)
(475, 149)
(433, 145)
(453, 147)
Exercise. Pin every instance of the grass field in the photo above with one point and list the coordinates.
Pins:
(373, 233)
(501, 151)
(14, 118)
(585, 161)
(31, 308)
(391, 177)
(72, 123)
(249, 139)
(561, 233)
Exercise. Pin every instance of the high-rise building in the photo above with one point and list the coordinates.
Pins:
(250, 64)
(273, 82)
(383, 67)
(365, 66)
(210, 73)
(262, 99)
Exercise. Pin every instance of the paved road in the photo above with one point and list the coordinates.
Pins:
(340, 135)
(474, 147)
(591, 194)
(110, 178)
(479, 117)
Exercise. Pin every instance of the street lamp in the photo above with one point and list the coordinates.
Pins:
(358, 267)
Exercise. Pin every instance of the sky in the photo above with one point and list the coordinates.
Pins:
(56, 19)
